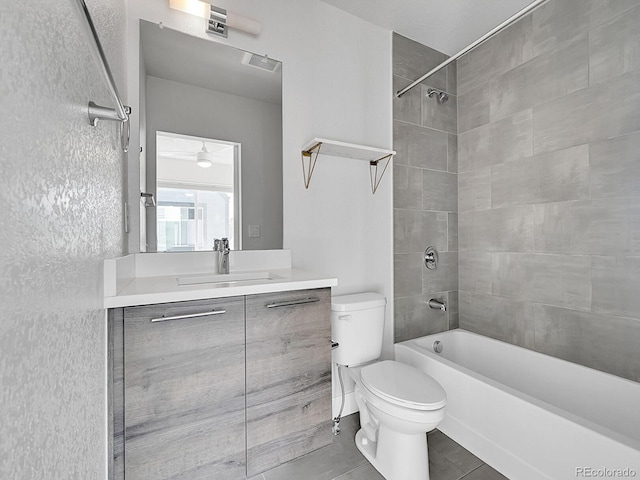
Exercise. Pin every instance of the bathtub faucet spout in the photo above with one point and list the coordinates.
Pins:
(437, 305)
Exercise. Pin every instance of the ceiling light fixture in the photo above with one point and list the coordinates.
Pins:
(204, 157)
(219, 20)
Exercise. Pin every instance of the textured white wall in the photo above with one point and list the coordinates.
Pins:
(60, 216)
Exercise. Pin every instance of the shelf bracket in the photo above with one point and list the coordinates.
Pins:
(311, 164)
(373, 171)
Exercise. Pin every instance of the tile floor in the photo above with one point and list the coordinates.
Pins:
(343, 461)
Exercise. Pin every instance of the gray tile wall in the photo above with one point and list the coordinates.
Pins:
(425, 192)
(549, 185)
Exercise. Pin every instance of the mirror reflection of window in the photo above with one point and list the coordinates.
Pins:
(197, 192)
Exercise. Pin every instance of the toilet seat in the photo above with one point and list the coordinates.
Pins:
(403, 385)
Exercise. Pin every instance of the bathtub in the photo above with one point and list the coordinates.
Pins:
(530, 415)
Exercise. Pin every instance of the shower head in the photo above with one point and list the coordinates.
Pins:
(441, 96)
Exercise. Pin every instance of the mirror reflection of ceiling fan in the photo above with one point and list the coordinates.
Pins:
(205, 157)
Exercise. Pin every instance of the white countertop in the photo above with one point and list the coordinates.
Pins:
(165, 288)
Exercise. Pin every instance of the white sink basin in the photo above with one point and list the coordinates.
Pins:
(224, 278)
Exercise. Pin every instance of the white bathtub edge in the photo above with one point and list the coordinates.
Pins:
(490, 453)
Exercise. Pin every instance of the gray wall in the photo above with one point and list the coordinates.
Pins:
(179, 108)
(61, 188)
(425, 198)
(549, 184)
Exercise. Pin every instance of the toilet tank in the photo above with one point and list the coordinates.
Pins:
(357, 324)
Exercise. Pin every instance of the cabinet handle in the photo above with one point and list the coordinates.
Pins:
(190, 315)
(290, 303)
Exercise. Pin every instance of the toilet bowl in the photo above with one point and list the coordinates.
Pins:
(398, 404)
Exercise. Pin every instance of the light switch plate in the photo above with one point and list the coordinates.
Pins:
(254, 231)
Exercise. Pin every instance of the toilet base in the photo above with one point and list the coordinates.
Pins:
(397, 456)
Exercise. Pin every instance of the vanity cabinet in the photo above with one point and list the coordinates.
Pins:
(288, 376)
(184, 384)
(198, 393)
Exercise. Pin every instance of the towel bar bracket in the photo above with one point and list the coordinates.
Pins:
(97, 112)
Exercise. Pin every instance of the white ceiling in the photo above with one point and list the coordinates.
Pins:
(446, 25)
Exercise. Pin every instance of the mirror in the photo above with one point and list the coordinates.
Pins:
(211, 137)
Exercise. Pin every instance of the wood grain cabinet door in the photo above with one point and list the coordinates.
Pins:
(288, 376)
(184, 384)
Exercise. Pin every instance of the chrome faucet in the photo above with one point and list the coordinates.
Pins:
(222, 246)
(437, 305)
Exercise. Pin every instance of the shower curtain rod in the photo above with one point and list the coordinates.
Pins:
(473, 45)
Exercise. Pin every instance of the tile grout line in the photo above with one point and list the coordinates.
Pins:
(352, 470)
(469, 473)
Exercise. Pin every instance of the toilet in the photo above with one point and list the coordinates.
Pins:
(398, 403)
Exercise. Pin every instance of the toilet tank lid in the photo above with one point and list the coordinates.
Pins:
(357, 301)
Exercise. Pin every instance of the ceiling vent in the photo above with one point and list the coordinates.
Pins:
(258, 61)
